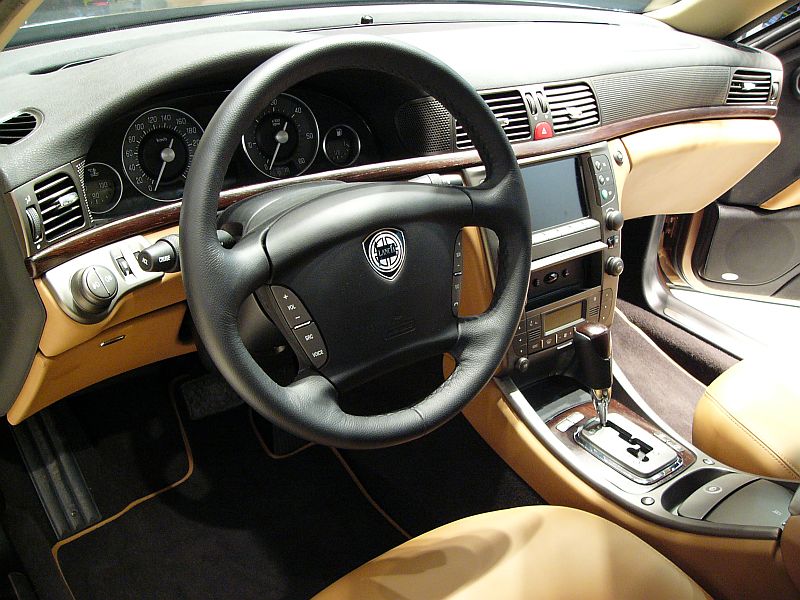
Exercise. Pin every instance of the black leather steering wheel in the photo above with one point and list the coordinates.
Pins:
(315, 240)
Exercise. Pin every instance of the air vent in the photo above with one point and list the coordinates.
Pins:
(509, 109)
(13, 129)
(749, 87)
(59, 205)
(572, 105)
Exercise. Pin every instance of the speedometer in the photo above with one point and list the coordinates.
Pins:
(284, 139)
(157, 152)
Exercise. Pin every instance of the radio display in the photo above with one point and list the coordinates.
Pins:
(560, 318)
(554, 192)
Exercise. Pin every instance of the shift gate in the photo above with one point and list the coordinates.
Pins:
(628, 449)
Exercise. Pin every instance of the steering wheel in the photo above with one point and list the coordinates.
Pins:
(367, 270)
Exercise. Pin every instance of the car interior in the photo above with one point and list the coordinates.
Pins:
(329, 299)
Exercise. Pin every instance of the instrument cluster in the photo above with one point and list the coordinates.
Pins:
(144, 158)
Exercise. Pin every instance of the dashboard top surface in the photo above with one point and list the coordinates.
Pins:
(555, 45)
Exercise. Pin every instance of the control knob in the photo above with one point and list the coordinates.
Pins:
(614, 220)
(94, 289)
(615, 266)
(162, 257)
(522, 364)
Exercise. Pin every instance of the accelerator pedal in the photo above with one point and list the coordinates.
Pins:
(208, 395)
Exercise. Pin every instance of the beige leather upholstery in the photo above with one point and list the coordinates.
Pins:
(749, 416)
(537, 552)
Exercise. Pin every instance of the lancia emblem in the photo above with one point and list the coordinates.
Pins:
(386, 252)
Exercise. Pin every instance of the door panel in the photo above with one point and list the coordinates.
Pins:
(748, 248)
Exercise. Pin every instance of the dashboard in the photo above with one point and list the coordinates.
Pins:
(115, 120)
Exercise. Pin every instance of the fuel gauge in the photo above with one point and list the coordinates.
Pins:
(103, 187)
(341, 145)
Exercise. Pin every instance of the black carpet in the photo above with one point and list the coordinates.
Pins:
(699, 358)
(669, 390)
(131, 444)
(242, 526)
(447, 475)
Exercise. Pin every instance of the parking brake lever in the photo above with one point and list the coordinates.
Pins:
(592, 343)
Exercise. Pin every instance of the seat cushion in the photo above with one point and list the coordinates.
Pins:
(749, 417)
(537, 552)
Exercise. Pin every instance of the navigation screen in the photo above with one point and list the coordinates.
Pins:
(554, 192)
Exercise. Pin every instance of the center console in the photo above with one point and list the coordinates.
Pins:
(575, 246)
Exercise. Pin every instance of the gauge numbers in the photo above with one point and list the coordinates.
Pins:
(284, 139)
(103, 185)
(157, 152)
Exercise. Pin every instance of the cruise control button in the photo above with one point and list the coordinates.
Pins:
(311, 341)
(290, 306)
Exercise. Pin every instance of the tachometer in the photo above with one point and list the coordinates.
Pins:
(157, 152)
(284, 139)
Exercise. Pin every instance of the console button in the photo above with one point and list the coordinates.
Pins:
(542, 131)
(310, 339)
(565, 336)
(458, 257)
(519, 347)
(290, 306)
(551, 277)
(700, 503)
(534, 347)
(521, 326)
(549, 342)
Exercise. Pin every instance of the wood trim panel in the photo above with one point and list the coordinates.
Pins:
(163, 216)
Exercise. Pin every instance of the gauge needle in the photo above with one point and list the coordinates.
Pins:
(280, 138)
(167, 155)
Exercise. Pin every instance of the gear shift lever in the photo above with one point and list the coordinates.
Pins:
(592, 343)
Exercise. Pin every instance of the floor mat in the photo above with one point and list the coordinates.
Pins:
(132, 438)
(669, 390)
(446, 475)
(242, 526)
(699, 358)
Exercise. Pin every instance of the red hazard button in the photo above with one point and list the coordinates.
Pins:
(543, 131)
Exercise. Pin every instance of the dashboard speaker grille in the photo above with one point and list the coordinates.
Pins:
(425, 126)
(17, 127)
(573, 106)
(749, 86)
(59, 205)
(509, 109)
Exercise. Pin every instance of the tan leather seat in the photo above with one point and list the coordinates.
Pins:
(749, 417)
(536, 552)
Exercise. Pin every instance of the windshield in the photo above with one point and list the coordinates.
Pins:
(56, 19)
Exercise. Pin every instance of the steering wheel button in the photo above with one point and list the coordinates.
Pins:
(290, 306)
(458, 257)
(311, 341)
